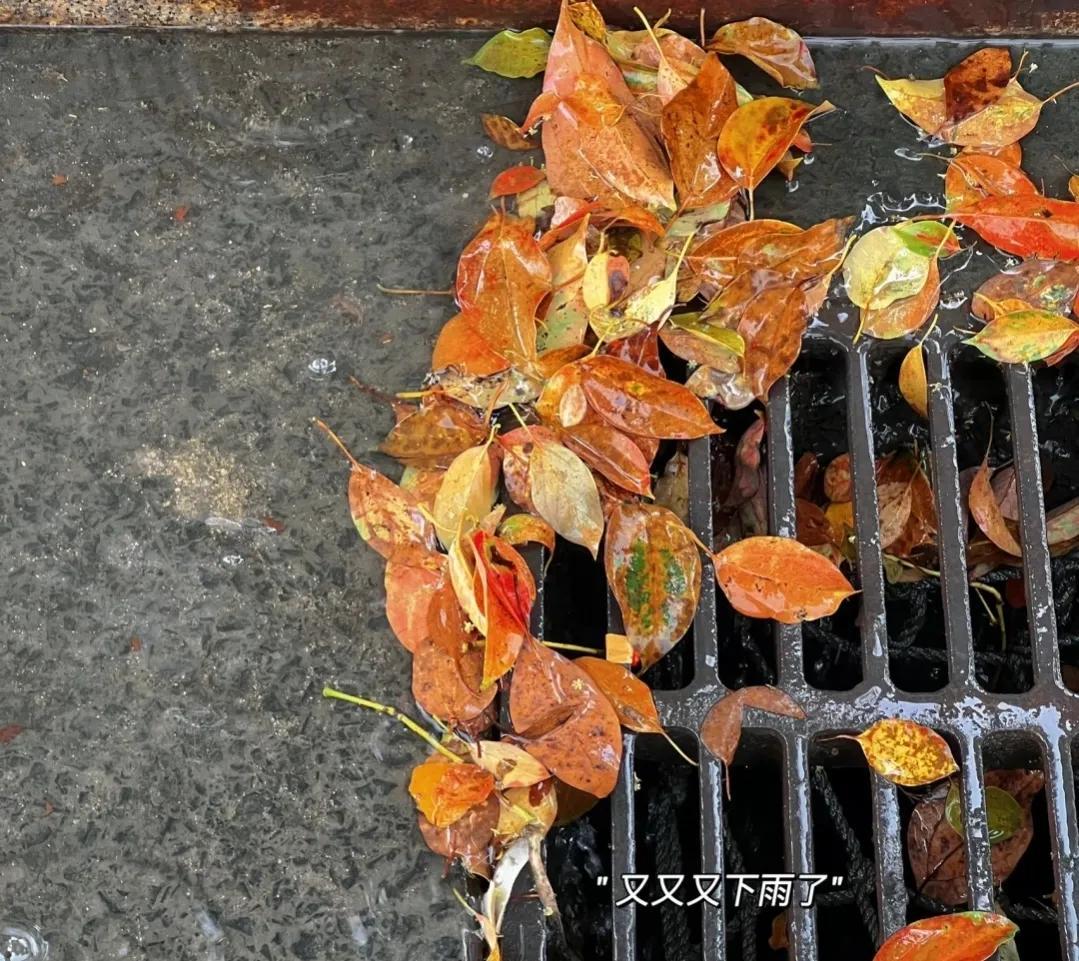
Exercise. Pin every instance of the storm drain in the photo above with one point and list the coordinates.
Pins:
(806, 859)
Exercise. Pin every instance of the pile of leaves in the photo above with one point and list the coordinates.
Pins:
(549, 405)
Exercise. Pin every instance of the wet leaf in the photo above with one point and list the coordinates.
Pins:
(505, 595)
(565, 495)
(987, 514)
(772, 326)
(1003, 813)
(904, 316)
(913, 382)
(564, 721)
(527, 529)
(468, 838)
(973, 177)
(513, 53)
(1040, 284)
(409, 588)
(444, 791)
(611, 453)
(722, 727)
(881, 268)
(1027, 225)
(747, 464)
(640, 403)
(837, 479)
(501, 278)
(1024, 336)
(779, 578)
(894, 503)
(927, 237)
(776, 49)
(691, 123)
(387, 517)
(467, 493)
(921, 528)
(9, 732)
(515, 180)
(758, 134)
(435, 434)
(936, 849)
(540, 802)
(506, 133)
(630, 697)
(977, 82)
(907, 753)
(970, 936)
(567, 315)
(446, 684)
(508, 764)
(654, 571)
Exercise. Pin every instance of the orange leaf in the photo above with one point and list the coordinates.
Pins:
(435, 434)
(515, 180)
(758, 134)
(691, 123)
(974, 176)
(501, 278)
(986, 511)
(564, 721)
(1028, 225)
(444, 791)
(779, 578)
(409, 588)
(629, 695)
(776, 49)
(976, 82)
(970, 936)
(907, 753)
(387, 517)
(468, 838)
(772, 326)
(721, 730)
(447, 684)
(906, 314)
(654, 571)
(525, 529)
(640, 403)
(612, 454)
(461, 344)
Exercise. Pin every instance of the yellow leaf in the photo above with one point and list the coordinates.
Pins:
(565, 494)
(906, 753)
(913, 383)
(510, 765)
(881, 268)
(466, 494)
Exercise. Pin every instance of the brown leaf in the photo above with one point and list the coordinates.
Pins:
(506, 133)
(776, 49)
(976, 82)
(447, 685)
(564, 721)
(630, 697)
(1040, 284)
(772, 326)
(987, 514)
(837, 480)
(937, 853)
(611, 453)
(747, 464)
(435, 434)
(468, 838)
(722, 727)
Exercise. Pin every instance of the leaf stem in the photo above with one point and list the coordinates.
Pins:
(413, 290)
(324, 427)
(576, 648)
(679, 751)
(396, 715)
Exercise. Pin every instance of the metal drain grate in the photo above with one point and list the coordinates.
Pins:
(1045, 714)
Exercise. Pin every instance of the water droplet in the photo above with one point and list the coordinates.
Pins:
(19, 943)
(792, 186)
(322, 367)
(486, 151)
(232, 560)
(905, 153)
(953, 300)
(809, 159)
(405, 141)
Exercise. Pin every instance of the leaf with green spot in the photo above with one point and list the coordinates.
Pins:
(1024, 336)
(881, 268)
(1003, 812)
(927, 237)
(513, 53)
(654, 571)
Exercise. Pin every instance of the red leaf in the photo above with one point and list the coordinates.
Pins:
(976, 82)
(971, 936)
(1026, 225)
(515, 180)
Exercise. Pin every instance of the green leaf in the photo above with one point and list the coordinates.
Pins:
(927, 237)
(1024, 336)
(729, 339)
(1004, 814)
(513, 53)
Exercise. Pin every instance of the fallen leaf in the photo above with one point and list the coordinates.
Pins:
(837, 479)
(1027, 225)
(641, 403)
(903, 316)
(1040, 284)
(691, 123)
(976, 82)
(894, 504)
(527, 529)
(758, 134)
(387, 517)
(1004, 815)
(913, 381)
(973, 177)
(566, 321)
(969, 936)
(467, 493)
(446, 684)
(907, 753)
(747, 464)
(435, 434)
(468, 838)
(779, 578)
(611, 453)
(772, 327)
(630, 697)
(654, 571)
(9, 732)
(721, 729)
(540, 802)
(510, 765)
(881, 268)
(1024, 336)
(776, 49)
(507, 591)
(513, 53)
(986, 512)
(565, 495)
(409, 588)
(506, 133)
(564, 721)
(445, 791)
(515, 180)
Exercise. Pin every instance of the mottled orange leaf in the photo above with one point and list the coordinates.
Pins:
(468, 838)
(907, 753)
(985, 509)
(776, 49)
(1039, 284)
(772, 326)
(387, 517)
(444, 791)
(972, 177)
(970, 936)
(690, 124)
(640, 403)
(779, 578)
(629, 695)
(1028, 225)
(527, 529)
(506, 133)
(564, 721)
(611, 453)
(654, 571)
(435, 434)
(409, 588)
(757, 135)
